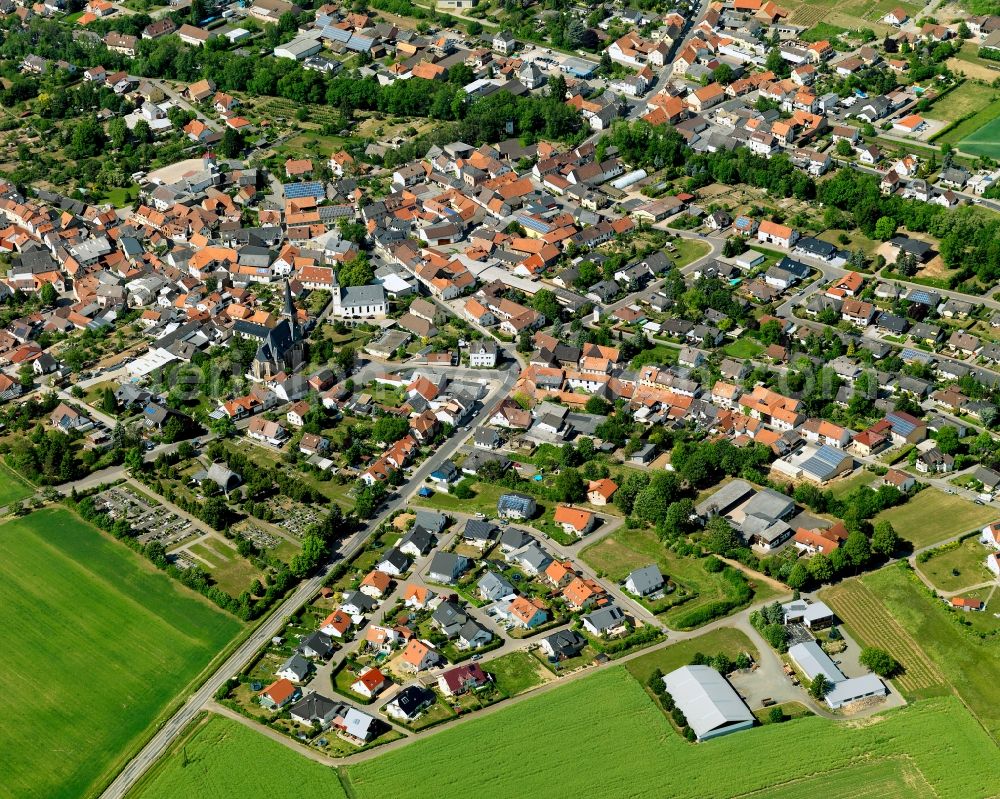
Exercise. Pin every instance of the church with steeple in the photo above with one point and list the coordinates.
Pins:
(283, 347)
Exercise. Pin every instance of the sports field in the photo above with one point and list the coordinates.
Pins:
(891, 609)
(224, 759)
(933, 516)
(97, 643)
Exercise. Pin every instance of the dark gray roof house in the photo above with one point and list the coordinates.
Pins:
(316, 645)
(417, 542)
(296, 668)
(449, 618)
(604, 619)
(446, 567)
(478, 532)
(563, 644)
(644, 581)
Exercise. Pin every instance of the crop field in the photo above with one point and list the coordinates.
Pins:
(970, 665)
(224, 759)
(866, 616)
(103, 643)
(12, 487)
(985, 140)
(851, 14)
(935, 746)
(892, 778)
(933, 516)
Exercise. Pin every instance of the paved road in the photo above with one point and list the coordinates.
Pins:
(167, 733)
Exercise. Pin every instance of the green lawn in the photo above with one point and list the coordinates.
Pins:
(661, 354)
(602, 736)
(515, 673)
(725, 640)
(932, 516)
(104, 643)
(792, 710)
(843, 487)
(120, 197)
(688, 251)
(959, 567)
(13, 488)
(744, 348)
(890, 608)
(224, 759)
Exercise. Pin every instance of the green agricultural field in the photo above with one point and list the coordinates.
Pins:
(515, 673)
(934, 743)
(959, 567)
(933, 516)
(890, 608)
(985, 140)
(971, 666)
(12, 487)
(104, 643)
(724, 641)
(224, 759)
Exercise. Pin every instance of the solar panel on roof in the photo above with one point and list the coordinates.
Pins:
(336, 34)
(902, 426)
(296, 191)
(360, 43)
(534, 224)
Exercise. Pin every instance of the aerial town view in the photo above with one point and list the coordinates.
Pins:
(434, 399)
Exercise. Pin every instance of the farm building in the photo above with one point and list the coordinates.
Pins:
(812, 661)
(708, 702)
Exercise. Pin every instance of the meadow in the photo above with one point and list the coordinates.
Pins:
(724, 641)
(224, 759)
(104, 643)
(958, 567)
(933, 516)
(516, 672)
(608, 739)
(12, 487)
(946, 655)
(627, 549)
